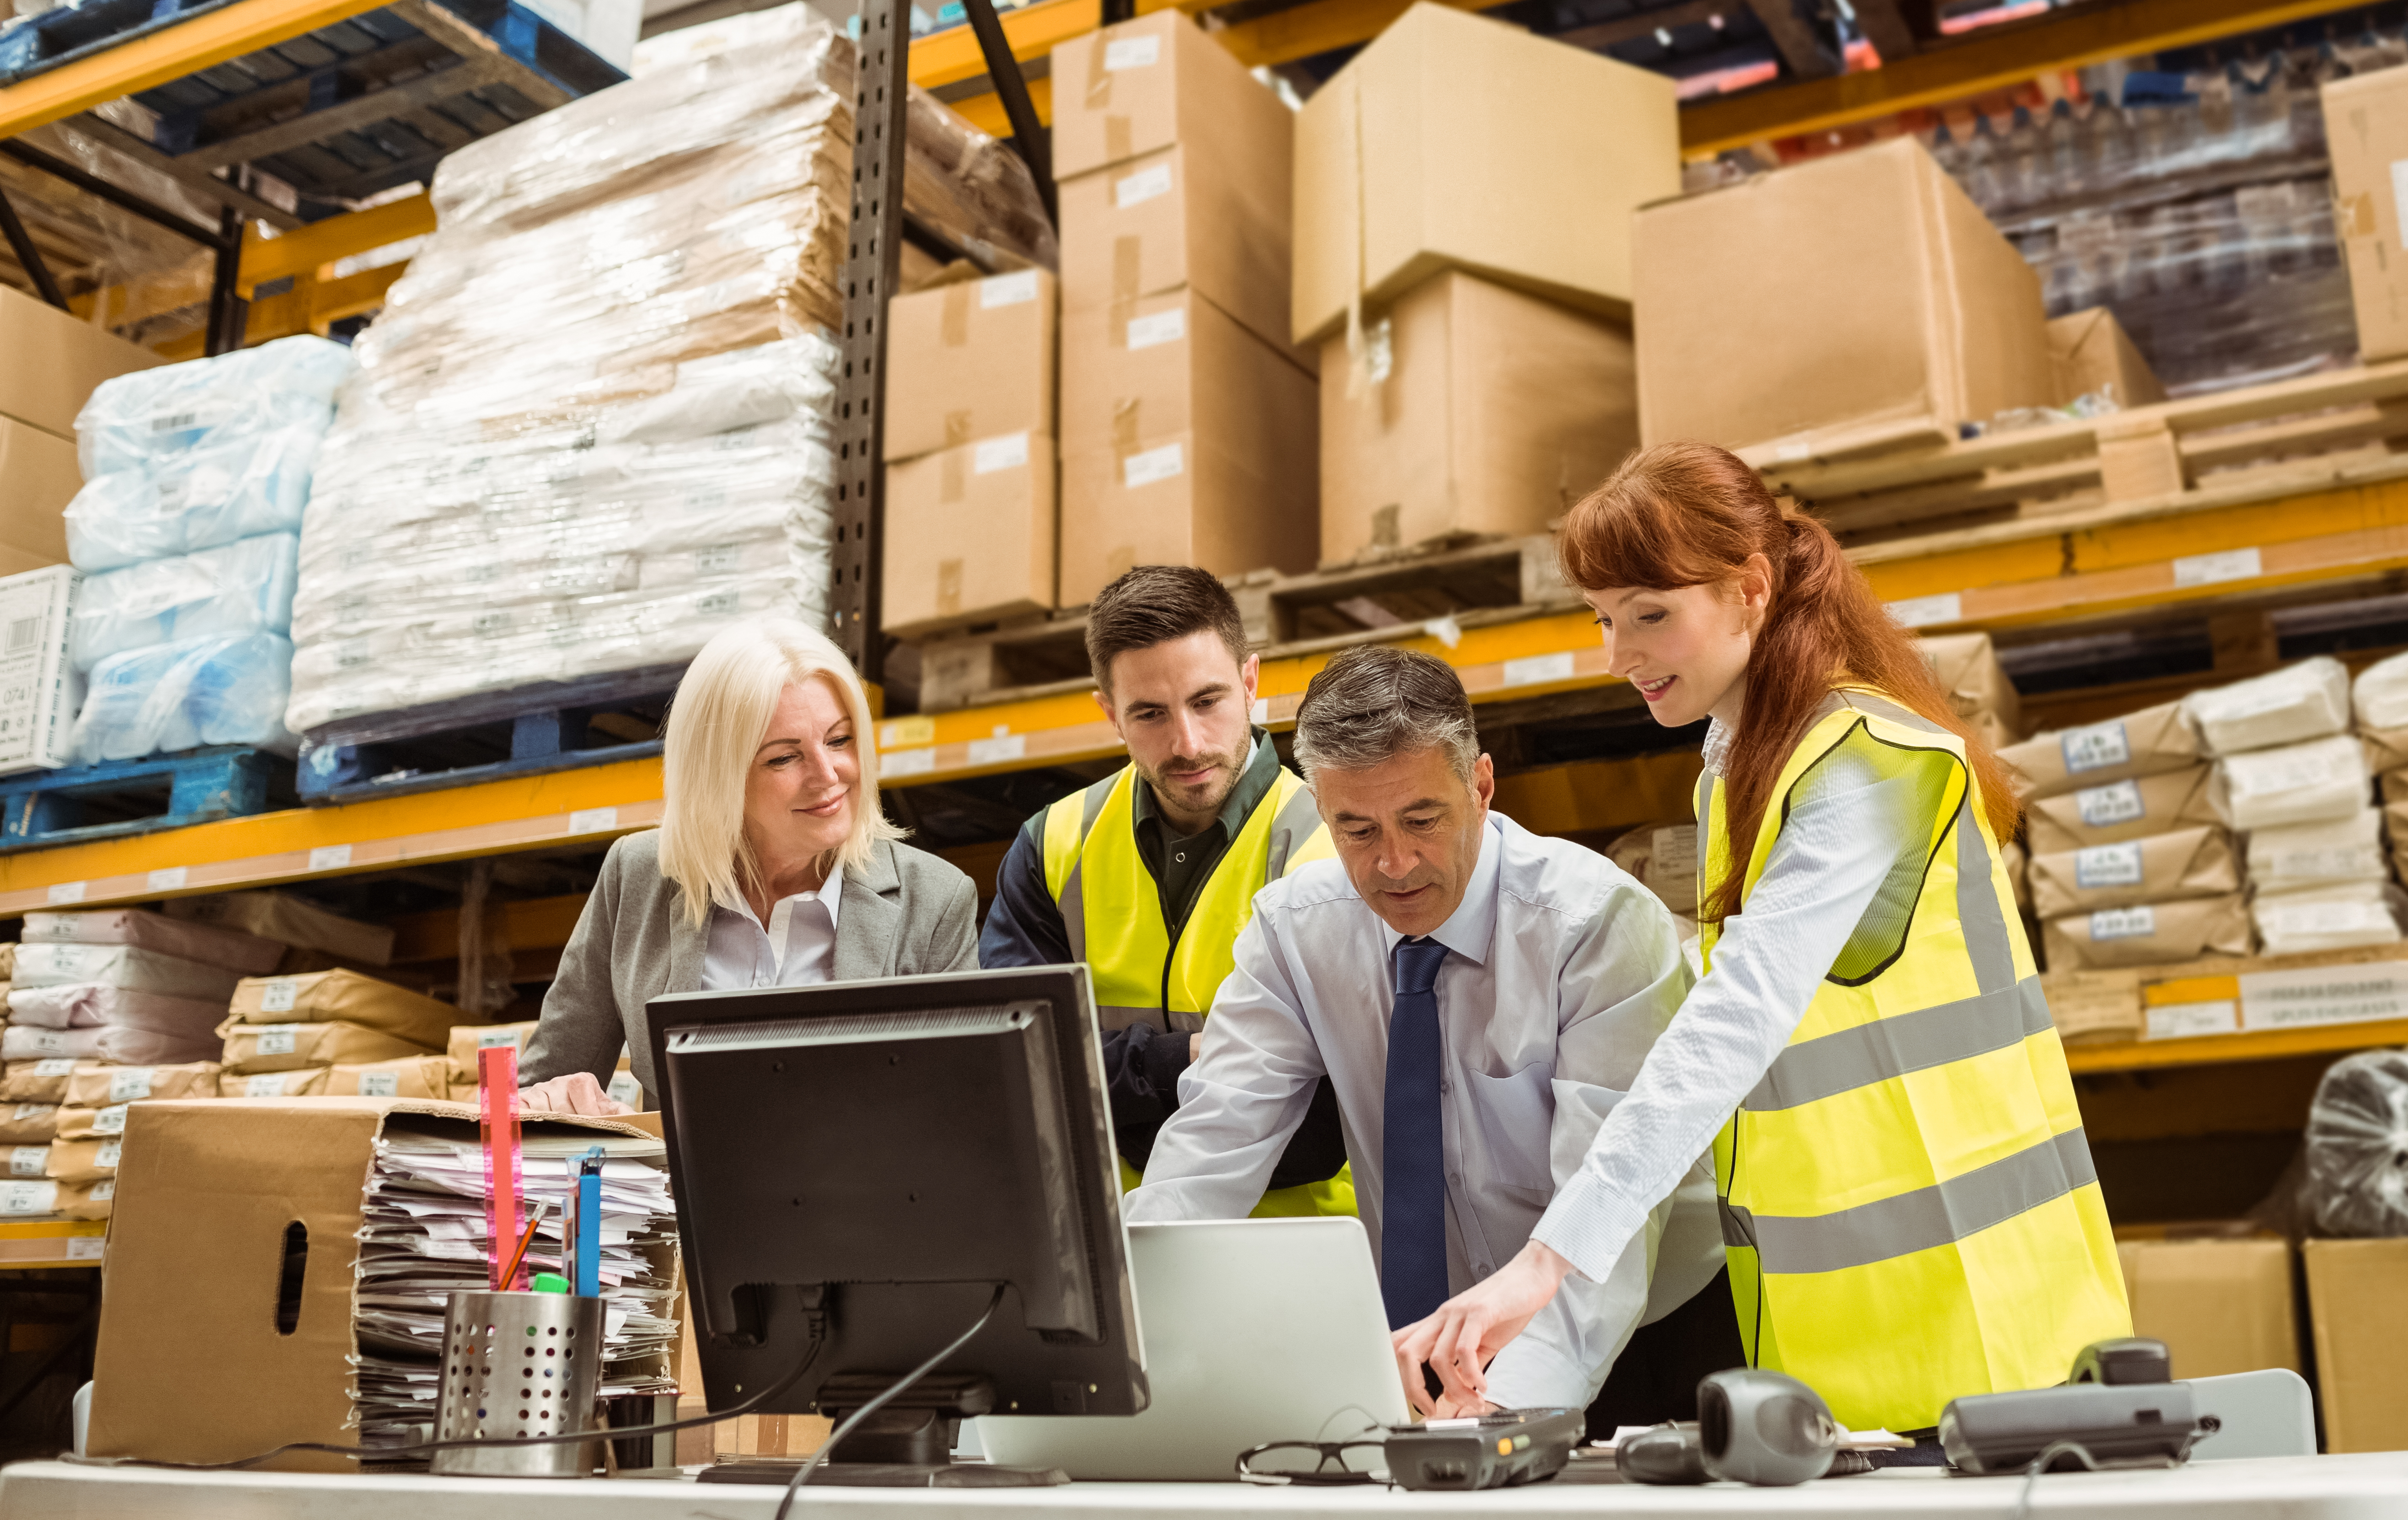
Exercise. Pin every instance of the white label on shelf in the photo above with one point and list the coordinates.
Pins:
(1010, 451)
(110, 1120)
(996, 750)
(52, 1069)
(1531, 671)
(270, 1086)
(1153, 464)
(28, 1160)
(130, 1086)
(2209, 569)
(917, 762)
(2103, 807)
(330, 858)
(2107, 865)
(1144, 185)
(278, 1038)
(379, 1084)
(88, 1247)
(1158, 328)
(2123, 924)
(66, 892)
(30, 1197)
(2096, 747)
(1929, 611)
(492, 1040)
(167, 878)
(111, 1152)
(279, 995)
(2181, 1021)
(1131, 52)
(625, 1089)
(592, 819)
(1014, 289)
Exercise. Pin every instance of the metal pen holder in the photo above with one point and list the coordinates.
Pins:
(519, 1364)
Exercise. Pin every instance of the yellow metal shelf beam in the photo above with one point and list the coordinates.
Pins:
(951, 56)
(302, 254)
(2253, 1045)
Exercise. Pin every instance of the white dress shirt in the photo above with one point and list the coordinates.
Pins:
(796, 948)
(1562, 972)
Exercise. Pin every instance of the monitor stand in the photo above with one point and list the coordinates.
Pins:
(906, 1445)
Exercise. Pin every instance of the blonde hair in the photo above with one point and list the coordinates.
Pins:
(721, 709)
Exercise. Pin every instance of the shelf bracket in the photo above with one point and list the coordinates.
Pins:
(37, 268)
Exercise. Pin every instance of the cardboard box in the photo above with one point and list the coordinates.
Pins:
(2366, 132)
(1199, 216)
(251, 1048)
(1184, 499)
(412, 1076)
(212, 1191)
(55, 361)
(465, 1039)
(2361, 1329)
(1178, 363)
(41, 692)
(340, 996)
(1850, 304)
(289, 921)
(2118, 811)
(2220, 1306)
(1454, 141)
(2149, 934)
(969, 360)
(1478, 409)
(2093, 356)
(38, 476)
(970, 534)
(1145, 84)
(2146, 743)
(2158, 868)
(302, 1081)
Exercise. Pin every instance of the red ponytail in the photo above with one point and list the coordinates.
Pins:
(1690, 514)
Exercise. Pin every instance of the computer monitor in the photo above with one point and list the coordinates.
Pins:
(882, 1155)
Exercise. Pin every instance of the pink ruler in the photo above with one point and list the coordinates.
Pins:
(498, 1123)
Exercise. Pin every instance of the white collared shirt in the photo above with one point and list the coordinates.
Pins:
(797, 949)
(1563, 970)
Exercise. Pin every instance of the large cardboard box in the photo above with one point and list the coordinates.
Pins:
(1128, 90)
(2094, 355)
(1477, 410)
(969, 360)
(40, 692)
(199, 1252)
(55, 361)
(1456, 141)
(2220, 1306)
(2366, 131)
(38, 476)
(970, 534)
(1855, 303)
(2362, 1329)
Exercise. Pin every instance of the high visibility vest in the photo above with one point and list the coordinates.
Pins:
(1909, 1205)
(1112, 910)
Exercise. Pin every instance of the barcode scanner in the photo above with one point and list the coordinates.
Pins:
(1753, 1426)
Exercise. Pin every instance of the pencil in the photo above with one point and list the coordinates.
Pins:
(535, 1217)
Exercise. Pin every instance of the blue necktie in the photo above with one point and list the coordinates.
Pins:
(1413, 1151)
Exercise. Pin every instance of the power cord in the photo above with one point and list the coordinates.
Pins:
(803, 1475)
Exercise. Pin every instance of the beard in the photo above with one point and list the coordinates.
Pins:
(1206, 797)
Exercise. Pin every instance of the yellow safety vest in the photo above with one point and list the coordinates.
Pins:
(1907, 1199)
(1140, 977)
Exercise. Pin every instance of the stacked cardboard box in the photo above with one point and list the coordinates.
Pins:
(2361, 1338)
(1187, 420)
(2219, 1296)
(55, 361)
(332, 1033)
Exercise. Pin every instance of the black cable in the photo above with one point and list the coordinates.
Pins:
(803, 1475)
(817, 1318)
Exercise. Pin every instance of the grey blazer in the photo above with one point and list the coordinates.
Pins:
(905, 913)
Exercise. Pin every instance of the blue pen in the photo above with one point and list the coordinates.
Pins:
(588, 1244)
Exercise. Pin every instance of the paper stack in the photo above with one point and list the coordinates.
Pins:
(289, 1035)
(124, 985)
(423, 1236)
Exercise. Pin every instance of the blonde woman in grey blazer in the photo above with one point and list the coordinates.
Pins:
(773, 865)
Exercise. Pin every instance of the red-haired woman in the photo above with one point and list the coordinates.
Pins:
(1909, 1205)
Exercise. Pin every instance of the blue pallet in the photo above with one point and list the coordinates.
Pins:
(523, 731)
(46, 808)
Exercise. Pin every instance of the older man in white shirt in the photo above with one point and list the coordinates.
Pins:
(1479, 996)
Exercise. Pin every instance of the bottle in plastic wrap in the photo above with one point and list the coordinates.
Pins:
(2356, 1148)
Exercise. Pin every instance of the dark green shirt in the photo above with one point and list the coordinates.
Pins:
(1182, 866)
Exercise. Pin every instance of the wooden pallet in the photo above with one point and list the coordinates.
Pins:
(1450, 584)
(118, 798)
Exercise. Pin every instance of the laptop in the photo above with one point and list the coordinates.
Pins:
(1254, 1331)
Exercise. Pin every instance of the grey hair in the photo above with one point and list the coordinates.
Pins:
(1376, 701)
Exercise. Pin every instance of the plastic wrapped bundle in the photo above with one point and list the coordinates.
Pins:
(2380, 694)
(2299, 702)
(168, 698)
(2342, 917)
(59, 964)
(2304, 855)
(91, 1005)
(244, 587)
(2322, 780)
(123, 1044)
(2357, 1146)
(227, 489)
(158, 417)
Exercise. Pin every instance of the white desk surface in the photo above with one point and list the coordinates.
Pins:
(2367, 1487)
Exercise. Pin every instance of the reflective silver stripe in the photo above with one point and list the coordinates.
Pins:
(1074, 902)
(1096, 796)
(1847, 1059)
(1112, 1017)
(1946, 1211)
(1882, 707)
(1297, 818)
(1978, 914)
(1736, 1230)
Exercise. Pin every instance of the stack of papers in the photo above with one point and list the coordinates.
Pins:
(423, 1236)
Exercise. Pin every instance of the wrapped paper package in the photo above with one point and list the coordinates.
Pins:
(1663, 857)
(2319, 919)
(120, 1043)
(413, 1076)
(2093, 1006)
(55, 964)
(253, 1048)
(2321, 780)
(345, 997)
(591, 426)
(2144, 743)
(41, 1080)
(2304, 855)
(2158, 868)
(2115, 811)
(84, 1200)
(94, 1087)
(90, 1160)
(2380, 697)
(85, 1124)
(2291, 706)
(288, 920)
(2148, 934)
(1977, 685)
(229, 948)
(28, 1124)
(91, 1005)
(304, 1082)
(466, 1040)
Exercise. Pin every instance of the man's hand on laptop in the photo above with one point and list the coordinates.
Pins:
(1470, 1329)
(576, 1092)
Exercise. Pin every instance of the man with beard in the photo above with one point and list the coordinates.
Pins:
(1149, 874)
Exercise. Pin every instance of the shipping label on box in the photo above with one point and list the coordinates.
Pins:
(2324, 994)
(39, 692)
